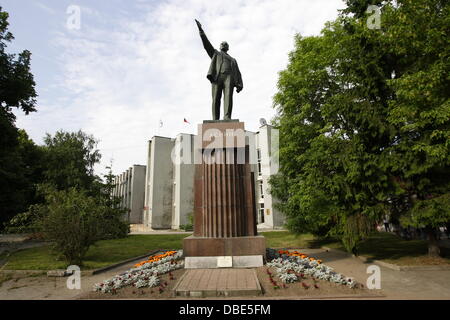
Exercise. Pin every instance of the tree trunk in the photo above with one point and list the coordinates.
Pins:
(433, 248)
(355, 251)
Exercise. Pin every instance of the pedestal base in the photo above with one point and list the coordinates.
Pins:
(217, 262)
(214, 247)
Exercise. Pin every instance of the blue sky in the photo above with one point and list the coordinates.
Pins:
(133, 63)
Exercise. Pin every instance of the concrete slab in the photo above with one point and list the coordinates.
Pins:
(200, 262)
(202, 283)
(218, 262)
(248, 261)
(225, 262)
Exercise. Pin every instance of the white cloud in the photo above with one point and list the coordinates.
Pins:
(120, 81)
(44, 7)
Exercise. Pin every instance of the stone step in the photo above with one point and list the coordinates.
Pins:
(218, 283)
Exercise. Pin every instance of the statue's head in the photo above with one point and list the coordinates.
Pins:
(224, 46)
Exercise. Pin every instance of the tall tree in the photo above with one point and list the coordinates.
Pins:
(419, 36)
(70, 160)
(117, 223)
(352, 142)
(33, 166)
(17, 90)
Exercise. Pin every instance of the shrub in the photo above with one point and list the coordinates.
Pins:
(190, 225)
(115, 225)
(73, 223)
(26, 222)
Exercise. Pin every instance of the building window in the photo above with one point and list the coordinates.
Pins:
(174, 190)
(261, 189)
(261, 213)
(258, 151)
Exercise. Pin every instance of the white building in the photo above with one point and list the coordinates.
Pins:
(129, 186)
(265, 145)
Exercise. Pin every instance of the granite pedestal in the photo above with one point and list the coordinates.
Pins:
(224, 205)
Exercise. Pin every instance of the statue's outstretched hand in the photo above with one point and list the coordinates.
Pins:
(238, 89)
(199, 25)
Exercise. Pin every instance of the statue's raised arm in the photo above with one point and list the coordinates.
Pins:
(206, 44)
(223, 74)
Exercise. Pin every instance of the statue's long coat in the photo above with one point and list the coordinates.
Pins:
(216, 64)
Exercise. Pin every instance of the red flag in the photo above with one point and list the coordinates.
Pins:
(186, 121)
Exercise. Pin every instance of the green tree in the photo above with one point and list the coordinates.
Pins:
(117, 226)
(33, 167)
(70, 159)
(66, 162)
(359, 7)
(419, 36)
(331, 120)
(16, 81)
(346, 106)
(17, 90)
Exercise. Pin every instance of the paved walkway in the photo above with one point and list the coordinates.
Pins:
(41, 287)
(394, 284)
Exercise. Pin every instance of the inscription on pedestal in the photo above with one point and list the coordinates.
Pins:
(225, 262)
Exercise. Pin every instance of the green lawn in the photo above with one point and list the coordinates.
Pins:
(107, 252)
(392, 249)
(103, 253)
(285, 239)
(380, 246)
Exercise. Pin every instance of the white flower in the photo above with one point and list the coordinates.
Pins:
(288, 277)
(142, 276)
(284, 265)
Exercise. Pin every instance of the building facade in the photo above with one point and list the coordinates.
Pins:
(265, 145)
(129, 186)
(164, 188)
(169, 184)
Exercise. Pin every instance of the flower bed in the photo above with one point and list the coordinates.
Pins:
(297, 254)
(144, 274)
(292, 266)
(155, 258)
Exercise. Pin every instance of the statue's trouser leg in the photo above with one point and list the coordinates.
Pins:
(216, 96)
(228, 98)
